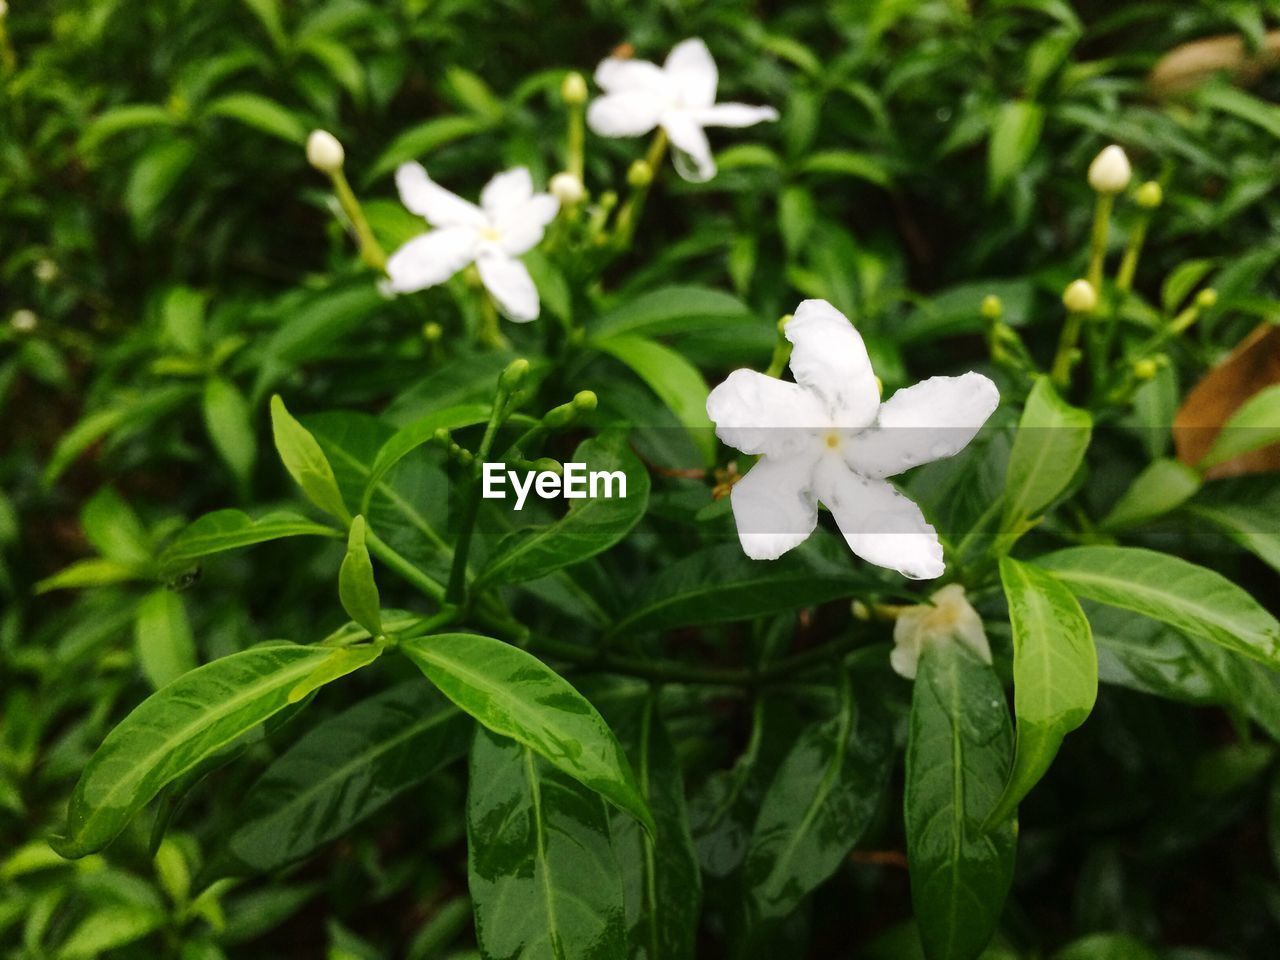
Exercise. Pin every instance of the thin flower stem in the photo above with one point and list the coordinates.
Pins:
(371, 251)
(577, 139)
(457, 588)
(427, 584)
(1132, 251)
(1098, 239)
(1065, 358)
(490, 334)
(629, 215)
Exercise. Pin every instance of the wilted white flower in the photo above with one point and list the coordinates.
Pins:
(1110, 170)
(510, 221)
(679, 96)
(324, 152)
(566, 188)
(828, 438)
(948, 617)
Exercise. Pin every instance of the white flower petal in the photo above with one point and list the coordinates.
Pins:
(431, 258)
(733, 115)
(830, 357)
(879, 524)
(935, 418)
(689, 142)
(521, 228)
(948, 617)
(774, 506)
(692, 72)
(624, 114)
(423, 196)
(506, 192)
(509, 281)
(760, 414)
(619, 75)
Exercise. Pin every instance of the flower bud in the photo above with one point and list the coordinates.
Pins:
(992, 307)
(324, 152)
(567, 188)
(640, 174)
(573, 89)
(585, 400)
(4, 9)
(782, 323)
(442, 436)
(547, 464)
(1145, 369)
(1206, 298)
(23, 321)
(514, 375)
(46, 270)
(1149, 195)
(1080, 297)
(1110, 171)
(432, 331)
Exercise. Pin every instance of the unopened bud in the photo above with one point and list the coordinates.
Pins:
(782, 323)
(1149, 195)
(560, 416)
(46, 270)
(324, 152)
(1206, 298)
(585, 400)
(861, 611)
(514, 375)
(567, 188)
(548, 464)
(640, 174)
(573, 89)
(1080, 297)
(432, 331)
(1145, 369)
(442, 436)
(24, 321)
(4, 9)
(1110, 171)
(992, 307)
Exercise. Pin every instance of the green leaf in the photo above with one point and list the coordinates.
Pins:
(182, 317)
(356, 586)
(1238, 103)
(344, 770)
(821, 801)
(516, 695)
(1181, 280)
(98, 572)
(233, 529)
(1160, 488)
(122, 119)
(417, 142)
(230, 424)
(1106, 946)
(154, 177)
(270, 16)
(110, 928)
(261, 113)
(1048, 448)
(673, 310)
(1254, 426)
(173, 731)
(674, 379)
(162, 637)
(1246, 510)
(847, 163)
(1166, 588)
(1055, 674)
(134, 411)
(115, 530)
(660, 876)
(590, 526)
(958, 752)
(413, 435)
(306, 462)
(1015, 133)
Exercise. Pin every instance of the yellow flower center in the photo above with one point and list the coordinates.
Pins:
(832, 440)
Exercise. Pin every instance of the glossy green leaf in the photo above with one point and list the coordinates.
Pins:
(959, 750)
(356, 586)
(1015, 134)
(1246, 509)
(338, 664)
(1254, 426)
(162, 636)
(173, 731)
(261, 113)
(413, 435)
(672, 310)
(306, 462)
(228, 419)
(1167, 588)
(1055, 673)
(591, 525)
(541, 865)
(1160, 488)
(674, 379)
(1048, 448)
(516, 695)
(344, 770)
(821, 801)
(225, 530)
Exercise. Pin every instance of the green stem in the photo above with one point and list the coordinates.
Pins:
(1064, 359)
(457, 589)
(1132, 251)
(1098, 239)
(490, 332)
(577, 139)
(629, 215)
(370, 250)
(427, 584)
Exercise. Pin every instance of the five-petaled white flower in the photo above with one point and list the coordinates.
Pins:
(510, 221)
(948, 617)
(827, 437)
(679, 96)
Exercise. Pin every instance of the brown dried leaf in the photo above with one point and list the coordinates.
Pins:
(1187, 66)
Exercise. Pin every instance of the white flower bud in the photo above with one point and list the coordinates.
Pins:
(1110, 171)
(324, 152)
(23, 321)
(46, 270)
(567, 188)
(1080, 297)
(573, 89)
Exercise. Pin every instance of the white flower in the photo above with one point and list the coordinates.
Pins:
(828, 438)
(1110, 170)
(324, 152)
(947, 616)
(510, 221)
(679, 96)
(567, 188)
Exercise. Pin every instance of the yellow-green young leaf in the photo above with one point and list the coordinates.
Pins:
(173, 731)
(356, 587)
(1055, 674)
(1014, 136)
(109, 929)
(338, 664)
(1048, 448)
(227, 418)
(516, 695)
(98, 572)
(115, 530)
(173, 871)
(182, 317)
(306, 462)
(1163, 486)
(1255, 425)
(162, 636)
